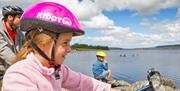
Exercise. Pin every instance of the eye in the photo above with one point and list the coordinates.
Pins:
(65, 42)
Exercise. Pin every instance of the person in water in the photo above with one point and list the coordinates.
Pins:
(100, 68)
(39, 65)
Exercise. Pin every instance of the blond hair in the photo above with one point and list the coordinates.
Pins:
(39, 37)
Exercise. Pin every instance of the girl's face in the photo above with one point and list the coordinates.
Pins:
(62, 47)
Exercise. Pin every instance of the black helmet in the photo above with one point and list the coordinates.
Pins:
(11, 10)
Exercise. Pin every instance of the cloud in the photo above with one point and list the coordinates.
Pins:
(90, 14)
(98, 40)
(146, 22)
(99, 22)
(24, 4)
(84, 10)
(178, 13)
(167, 26)
(140, 7)
(125, 37)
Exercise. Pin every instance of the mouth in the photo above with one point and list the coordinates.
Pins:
(64, 56)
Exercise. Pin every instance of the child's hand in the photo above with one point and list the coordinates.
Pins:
(112, 89)
(105, 61)
(109, 70)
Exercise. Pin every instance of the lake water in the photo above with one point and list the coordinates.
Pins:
(130, 65)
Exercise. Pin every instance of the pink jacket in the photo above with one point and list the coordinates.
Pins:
(30, 75)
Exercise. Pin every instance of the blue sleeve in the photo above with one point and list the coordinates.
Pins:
(105, 66)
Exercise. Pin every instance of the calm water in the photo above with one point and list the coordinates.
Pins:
(130, 65)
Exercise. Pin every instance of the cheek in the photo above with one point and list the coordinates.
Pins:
(16, 21)
(59, 52)
(59, 55)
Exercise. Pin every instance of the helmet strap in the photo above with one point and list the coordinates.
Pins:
(56, 73)
(11, 23)
(31, 42)
(12, 28)
(51, 61)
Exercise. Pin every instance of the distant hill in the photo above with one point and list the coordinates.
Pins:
(86, 47)
(175, 46)
(169, 46)
(115, 48)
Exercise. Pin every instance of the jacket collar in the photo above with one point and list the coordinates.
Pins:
(38, 65)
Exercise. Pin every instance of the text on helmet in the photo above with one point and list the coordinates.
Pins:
(49, 17)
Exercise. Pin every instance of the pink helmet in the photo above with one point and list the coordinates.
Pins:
(50, 16)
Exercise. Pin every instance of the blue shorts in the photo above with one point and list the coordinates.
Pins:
(103, 75)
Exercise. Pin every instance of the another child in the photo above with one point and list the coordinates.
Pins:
(100, 68)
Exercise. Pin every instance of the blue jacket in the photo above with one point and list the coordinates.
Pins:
(98, 69)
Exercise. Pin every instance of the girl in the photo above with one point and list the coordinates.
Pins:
(39, 65)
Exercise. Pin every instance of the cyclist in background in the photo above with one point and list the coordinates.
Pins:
(11, 37)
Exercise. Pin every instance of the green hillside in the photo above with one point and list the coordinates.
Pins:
(85, 47)
(169, 46)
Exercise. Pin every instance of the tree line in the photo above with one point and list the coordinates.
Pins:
(86, 46)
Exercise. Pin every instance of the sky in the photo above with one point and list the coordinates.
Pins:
(121, 23)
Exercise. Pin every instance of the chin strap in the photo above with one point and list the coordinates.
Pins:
(57, 68)
(56, 72)
(11, 24)
(51, 61)
(12, 28)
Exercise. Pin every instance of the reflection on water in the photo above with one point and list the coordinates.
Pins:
(130, 65)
